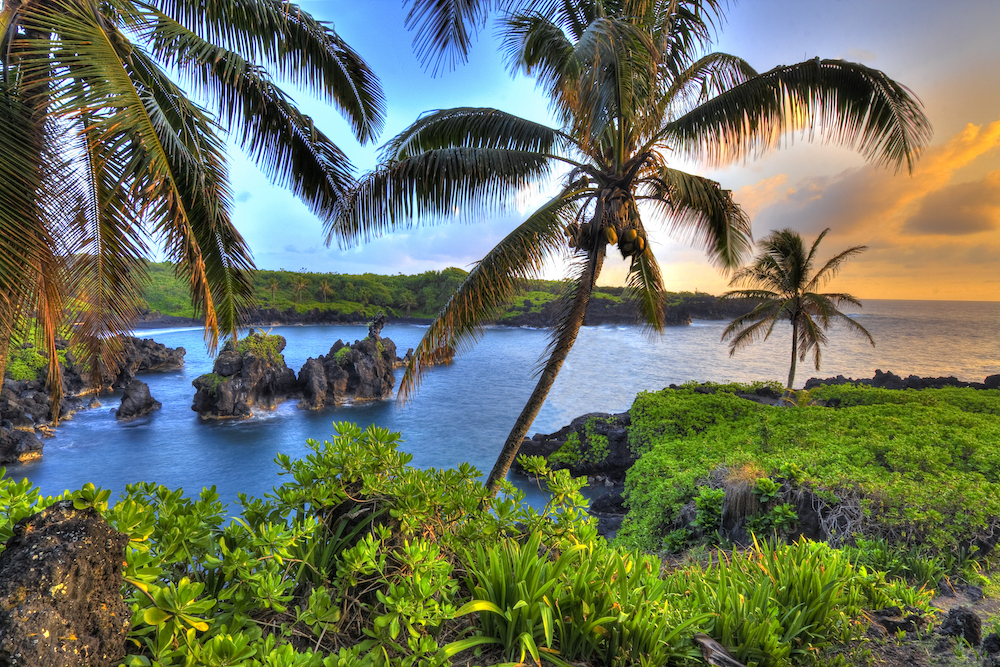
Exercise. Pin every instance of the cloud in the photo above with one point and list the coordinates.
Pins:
(861, 56)
(243, 196)
(956, 210)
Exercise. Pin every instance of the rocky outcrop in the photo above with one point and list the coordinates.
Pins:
(250, 374)
(594, 444)
(60, 591)
(890, 380)
(441, 356)
(18, 445)
(358, 372)
(136, 401)
(145, 356)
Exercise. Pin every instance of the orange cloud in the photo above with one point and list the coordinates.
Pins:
(929, 234)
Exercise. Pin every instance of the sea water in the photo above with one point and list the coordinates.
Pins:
(463, 411)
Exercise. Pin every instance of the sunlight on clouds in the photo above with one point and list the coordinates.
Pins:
(928, 235)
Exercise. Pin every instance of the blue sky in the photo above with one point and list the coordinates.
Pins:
(933, 234)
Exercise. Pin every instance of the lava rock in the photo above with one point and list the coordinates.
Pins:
(60, 591)
(19, 445)
(248, 375)
(136, 401)
(359, 372)
(991, 643)
(963, 622)
(611, 463)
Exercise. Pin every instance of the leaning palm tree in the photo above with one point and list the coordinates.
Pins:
(102, 152)
(632, 89)
(781, 280)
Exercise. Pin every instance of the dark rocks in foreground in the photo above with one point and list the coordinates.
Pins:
(136, 401)
(60, 591)
(602, 447)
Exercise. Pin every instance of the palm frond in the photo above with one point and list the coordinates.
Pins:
(309, 53)
(838, 101)
(829, 270)
(283, 142)
(644, 284)
(491, 284)
(700, 210)
(445, 30)
(707, 77)
(432, 185)
(471, 127)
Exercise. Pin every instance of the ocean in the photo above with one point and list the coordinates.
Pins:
(463, 411)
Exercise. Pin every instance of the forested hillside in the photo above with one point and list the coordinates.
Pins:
(328, 297)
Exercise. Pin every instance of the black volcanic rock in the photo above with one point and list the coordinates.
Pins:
(611, 457)
(60, 591)
(248, 375)
(358, 372)
(889, 380)
(18, 445)
(136, 401)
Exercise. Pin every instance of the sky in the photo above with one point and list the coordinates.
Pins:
(931, 234)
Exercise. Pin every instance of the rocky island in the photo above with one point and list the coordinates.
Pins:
(251, 374)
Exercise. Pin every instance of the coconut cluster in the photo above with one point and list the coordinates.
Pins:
(631, 242)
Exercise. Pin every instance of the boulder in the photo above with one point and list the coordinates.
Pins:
(136, 401)
(144, 356)
(250, 374)
(60, 591)
(19, 445)
(963, 622)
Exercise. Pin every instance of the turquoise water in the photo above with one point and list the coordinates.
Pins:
(464, 411)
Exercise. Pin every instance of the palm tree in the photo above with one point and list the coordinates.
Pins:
(779, 280)
(273, 286)
(102, 152)
(300, 284)
(630, 90)
(324, 287)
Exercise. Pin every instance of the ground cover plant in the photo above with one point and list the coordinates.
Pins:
(359, 559)
(918, 469)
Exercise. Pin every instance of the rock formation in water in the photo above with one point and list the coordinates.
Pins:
(247, 375)
(136, 401)
(145, 356)
(25, 405)
(358, 372)
(60, 591)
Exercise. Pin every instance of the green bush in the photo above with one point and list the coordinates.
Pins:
(924, 467)
(417, 567)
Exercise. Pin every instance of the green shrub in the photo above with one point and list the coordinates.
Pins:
(924, 468)
(416, 567)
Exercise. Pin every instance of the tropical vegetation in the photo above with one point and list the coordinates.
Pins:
(360, 560)
(360, 297)
(782, 283)
(916, 469)
(633, 87)
(103, 151)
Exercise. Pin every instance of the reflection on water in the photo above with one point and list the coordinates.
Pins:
(464, 411)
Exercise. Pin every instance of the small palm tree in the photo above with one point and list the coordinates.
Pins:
(324, 287)
(273, 286)
(300, 285)
(779, 279)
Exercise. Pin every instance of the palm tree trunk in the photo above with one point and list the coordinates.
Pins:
(560, 351)
(795, 354)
